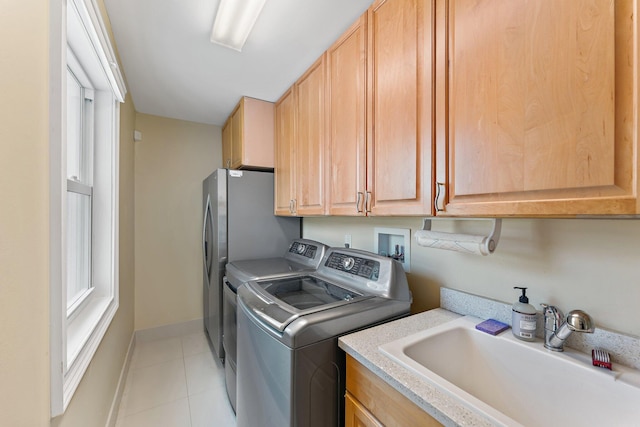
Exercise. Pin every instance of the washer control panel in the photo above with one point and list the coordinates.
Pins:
(365, 272)
(362, 267)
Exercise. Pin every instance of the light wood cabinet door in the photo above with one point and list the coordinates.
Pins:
(356, 415)
(250, 135)
(401, 79)
(310, 141)
(236, 137)
(284, 197)
(257, 123)
(382, 402)
(346, 117)
(226, 144)
(536, 107)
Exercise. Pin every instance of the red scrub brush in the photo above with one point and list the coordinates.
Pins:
(601, 358)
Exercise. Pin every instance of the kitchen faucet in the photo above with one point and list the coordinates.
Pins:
(557, 329)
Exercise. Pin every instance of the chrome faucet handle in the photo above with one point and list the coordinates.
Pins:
(579, 321)
(553, 317)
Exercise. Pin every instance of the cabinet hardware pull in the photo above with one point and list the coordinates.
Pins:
(290, 205)
(228, 163)
(359, 201)
(368, 202)
(295, 206)
(439, 186)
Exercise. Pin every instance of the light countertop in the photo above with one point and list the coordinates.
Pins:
(363, 346)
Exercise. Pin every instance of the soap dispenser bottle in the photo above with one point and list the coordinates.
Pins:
(524, 318)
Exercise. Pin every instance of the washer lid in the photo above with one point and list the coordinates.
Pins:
(239, 272)
(280, 301)
(302, 255)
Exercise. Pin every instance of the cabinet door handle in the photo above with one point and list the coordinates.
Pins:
(291, 206)
(359, 200)
(367, 202)
(228, 163)
(440, 189)
(295, 206)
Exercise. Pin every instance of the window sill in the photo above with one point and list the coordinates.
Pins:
(84, 335)
(79, 304)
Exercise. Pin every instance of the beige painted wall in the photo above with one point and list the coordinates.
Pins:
(171, 161)
(24, 231)
(586, 264)
(24, 213)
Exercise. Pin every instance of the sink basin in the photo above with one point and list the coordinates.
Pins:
(515, 383)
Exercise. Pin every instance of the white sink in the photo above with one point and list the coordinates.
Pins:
(516, 383)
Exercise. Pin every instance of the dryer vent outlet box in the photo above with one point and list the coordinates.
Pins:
(394, 243)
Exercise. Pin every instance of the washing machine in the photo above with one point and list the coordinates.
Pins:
(291, 372)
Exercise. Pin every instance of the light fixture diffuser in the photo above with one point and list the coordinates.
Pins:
(234, 21)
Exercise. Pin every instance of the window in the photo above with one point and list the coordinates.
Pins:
(87, 89)
(79, 174)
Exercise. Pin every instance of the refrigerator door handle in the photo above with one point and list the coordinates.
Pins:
(206, 226)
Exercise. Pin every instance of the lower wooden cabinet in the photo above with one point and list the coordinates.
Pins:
(370, 401)
(356, 415)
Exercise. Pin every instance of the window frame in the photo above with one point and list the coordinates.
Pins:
(83, 182)
(76, 335)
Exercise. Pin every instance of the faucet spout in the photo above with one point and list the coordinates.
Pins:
(557, 329)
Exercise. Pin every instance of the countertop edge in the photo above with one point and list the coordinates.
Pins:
(363, 347)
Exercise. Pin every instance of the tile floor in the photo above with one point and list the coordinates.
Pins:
(175, 382)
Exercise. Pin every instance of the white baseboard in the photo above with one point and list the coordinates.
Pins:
(115, 404)
(169, 331)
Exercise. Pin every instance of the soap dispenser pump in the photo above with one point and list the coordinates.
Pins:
(524, 318)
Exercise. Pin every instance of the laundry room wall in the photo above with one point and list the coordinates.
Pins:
(24, 216)
(588, 264)
(171, 161)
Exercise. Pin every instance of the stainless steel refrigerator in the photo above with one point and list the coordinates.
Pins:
(238, 223)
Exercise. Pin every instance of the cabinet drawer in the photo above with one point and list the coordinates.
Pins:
(384, 402)
(357, 415)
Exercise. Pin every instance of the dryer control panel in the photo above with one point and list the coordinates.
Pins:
(304, 249)
(307, 253)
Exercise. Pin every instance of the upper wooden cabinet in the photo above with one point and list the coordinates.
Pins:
(226, 144)
(346, 121)
(503, 108)
(310, 141)
(248, 136)
(381, 131)
(400, 117)
(536, 107)
(284, 197)
(300, 146)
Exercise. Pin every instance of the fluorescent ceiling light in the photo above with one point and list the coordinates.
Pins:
(234, 21)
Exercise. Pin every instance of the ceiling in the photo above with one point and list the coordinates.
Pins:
(173, 70)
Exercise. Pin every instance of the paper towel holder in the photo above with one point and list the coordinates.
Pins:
(490, 242)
